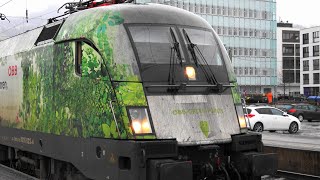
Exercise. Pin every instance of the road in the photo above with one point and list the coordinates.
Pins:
(308, 129)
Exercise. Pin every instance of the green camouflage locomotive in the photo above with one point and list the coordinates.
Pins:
(127, 91)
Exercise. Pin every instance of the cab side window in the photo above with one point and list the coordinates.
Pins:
(88, 61)
(304, 107)
(312, 108)
(276, 112)
(264, 111)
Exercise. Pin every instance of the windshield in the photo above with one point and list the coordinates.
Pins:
(207, 45)
(153, 43)
(163, 53)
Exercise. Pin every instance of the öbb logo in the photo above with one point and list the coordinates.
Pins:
(13, 70)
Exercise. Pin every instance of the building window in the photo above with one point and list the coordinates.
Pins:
(214, 10)
(235, 70)
(288, 50)
(306, 65)
(264, 53)
(208, 9)
(264, 72)
(316, 64)
(264, 15)
(290, 36)
(315, 36)
(297, 63)
(288, 63)
(240, 70)
(230, 31)
(305, 38)
(235, 51)
(251, 13)
(306, 52)
(251, 52)
(197, 6)
(202, 8)
(192, 8)
(236, 12)
(219, 31)
(288, 76)
(251, 33)
(235, 31)
(245, 71)
(297, 49)
(251, 71)
(219, 10)
(306, 79)
(297, 76)
(316, 78)
(225, 11)
(246, 51)
(241, 12)
(316, 50)
(245, 32)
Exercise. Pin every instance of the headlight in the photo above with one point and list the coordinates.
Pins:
(140, 121)
(241, 118)
(191, 73)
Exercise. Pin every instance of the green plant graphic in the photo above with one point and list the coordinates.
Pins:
(204, 126)
(56, 100)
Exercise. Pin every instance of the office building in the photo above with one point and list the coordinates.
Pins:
(288, 56)
(310, 42)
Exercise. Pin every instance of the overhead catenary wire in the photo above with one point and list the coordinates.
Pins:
(6, 3)
(19, 24)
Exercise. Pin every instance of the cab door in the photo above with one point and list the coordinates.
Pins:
(314, 112)
(280, 121)
(267, 118)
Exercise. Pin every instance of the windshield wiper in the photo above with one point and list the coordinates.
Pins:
(176, 48)
(192, 47)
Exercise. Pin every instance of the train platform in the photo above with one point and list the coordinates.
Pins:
(298, 155)
(291, 141)
(11, 174)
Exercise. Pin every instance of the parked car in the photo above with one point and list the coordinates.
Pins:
(267, 118)
(304, 111)
(284, 107)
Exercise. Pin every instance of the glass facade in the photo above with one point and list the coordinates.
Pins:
(248, 30)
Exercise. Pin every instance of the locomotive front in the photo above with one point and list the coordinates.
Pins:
(130, 91)
(173, 84)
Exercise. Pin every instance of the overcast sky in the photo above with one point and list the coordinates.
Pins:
(301, 12)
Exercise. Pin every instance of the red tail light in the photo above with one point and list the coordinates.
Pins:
(250, 115)
(292, 110)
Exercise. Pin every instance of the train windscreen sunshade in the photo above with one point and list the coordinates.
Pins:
(48, 32)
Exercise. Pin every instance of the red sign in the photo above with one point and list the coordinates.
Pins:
(13, 70)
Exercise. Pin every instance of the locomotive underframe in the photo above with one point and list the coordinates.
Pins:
(98, 158)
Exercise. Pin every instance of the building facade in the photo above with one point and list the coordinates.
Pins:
(310, 43)
(248, 30)
(288, 56)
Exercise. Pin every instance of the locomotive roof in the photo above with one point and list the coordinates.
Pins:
(158, 13)
(131, 13)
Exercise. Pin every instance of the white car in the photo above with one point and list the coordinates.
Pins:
(265, 118)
